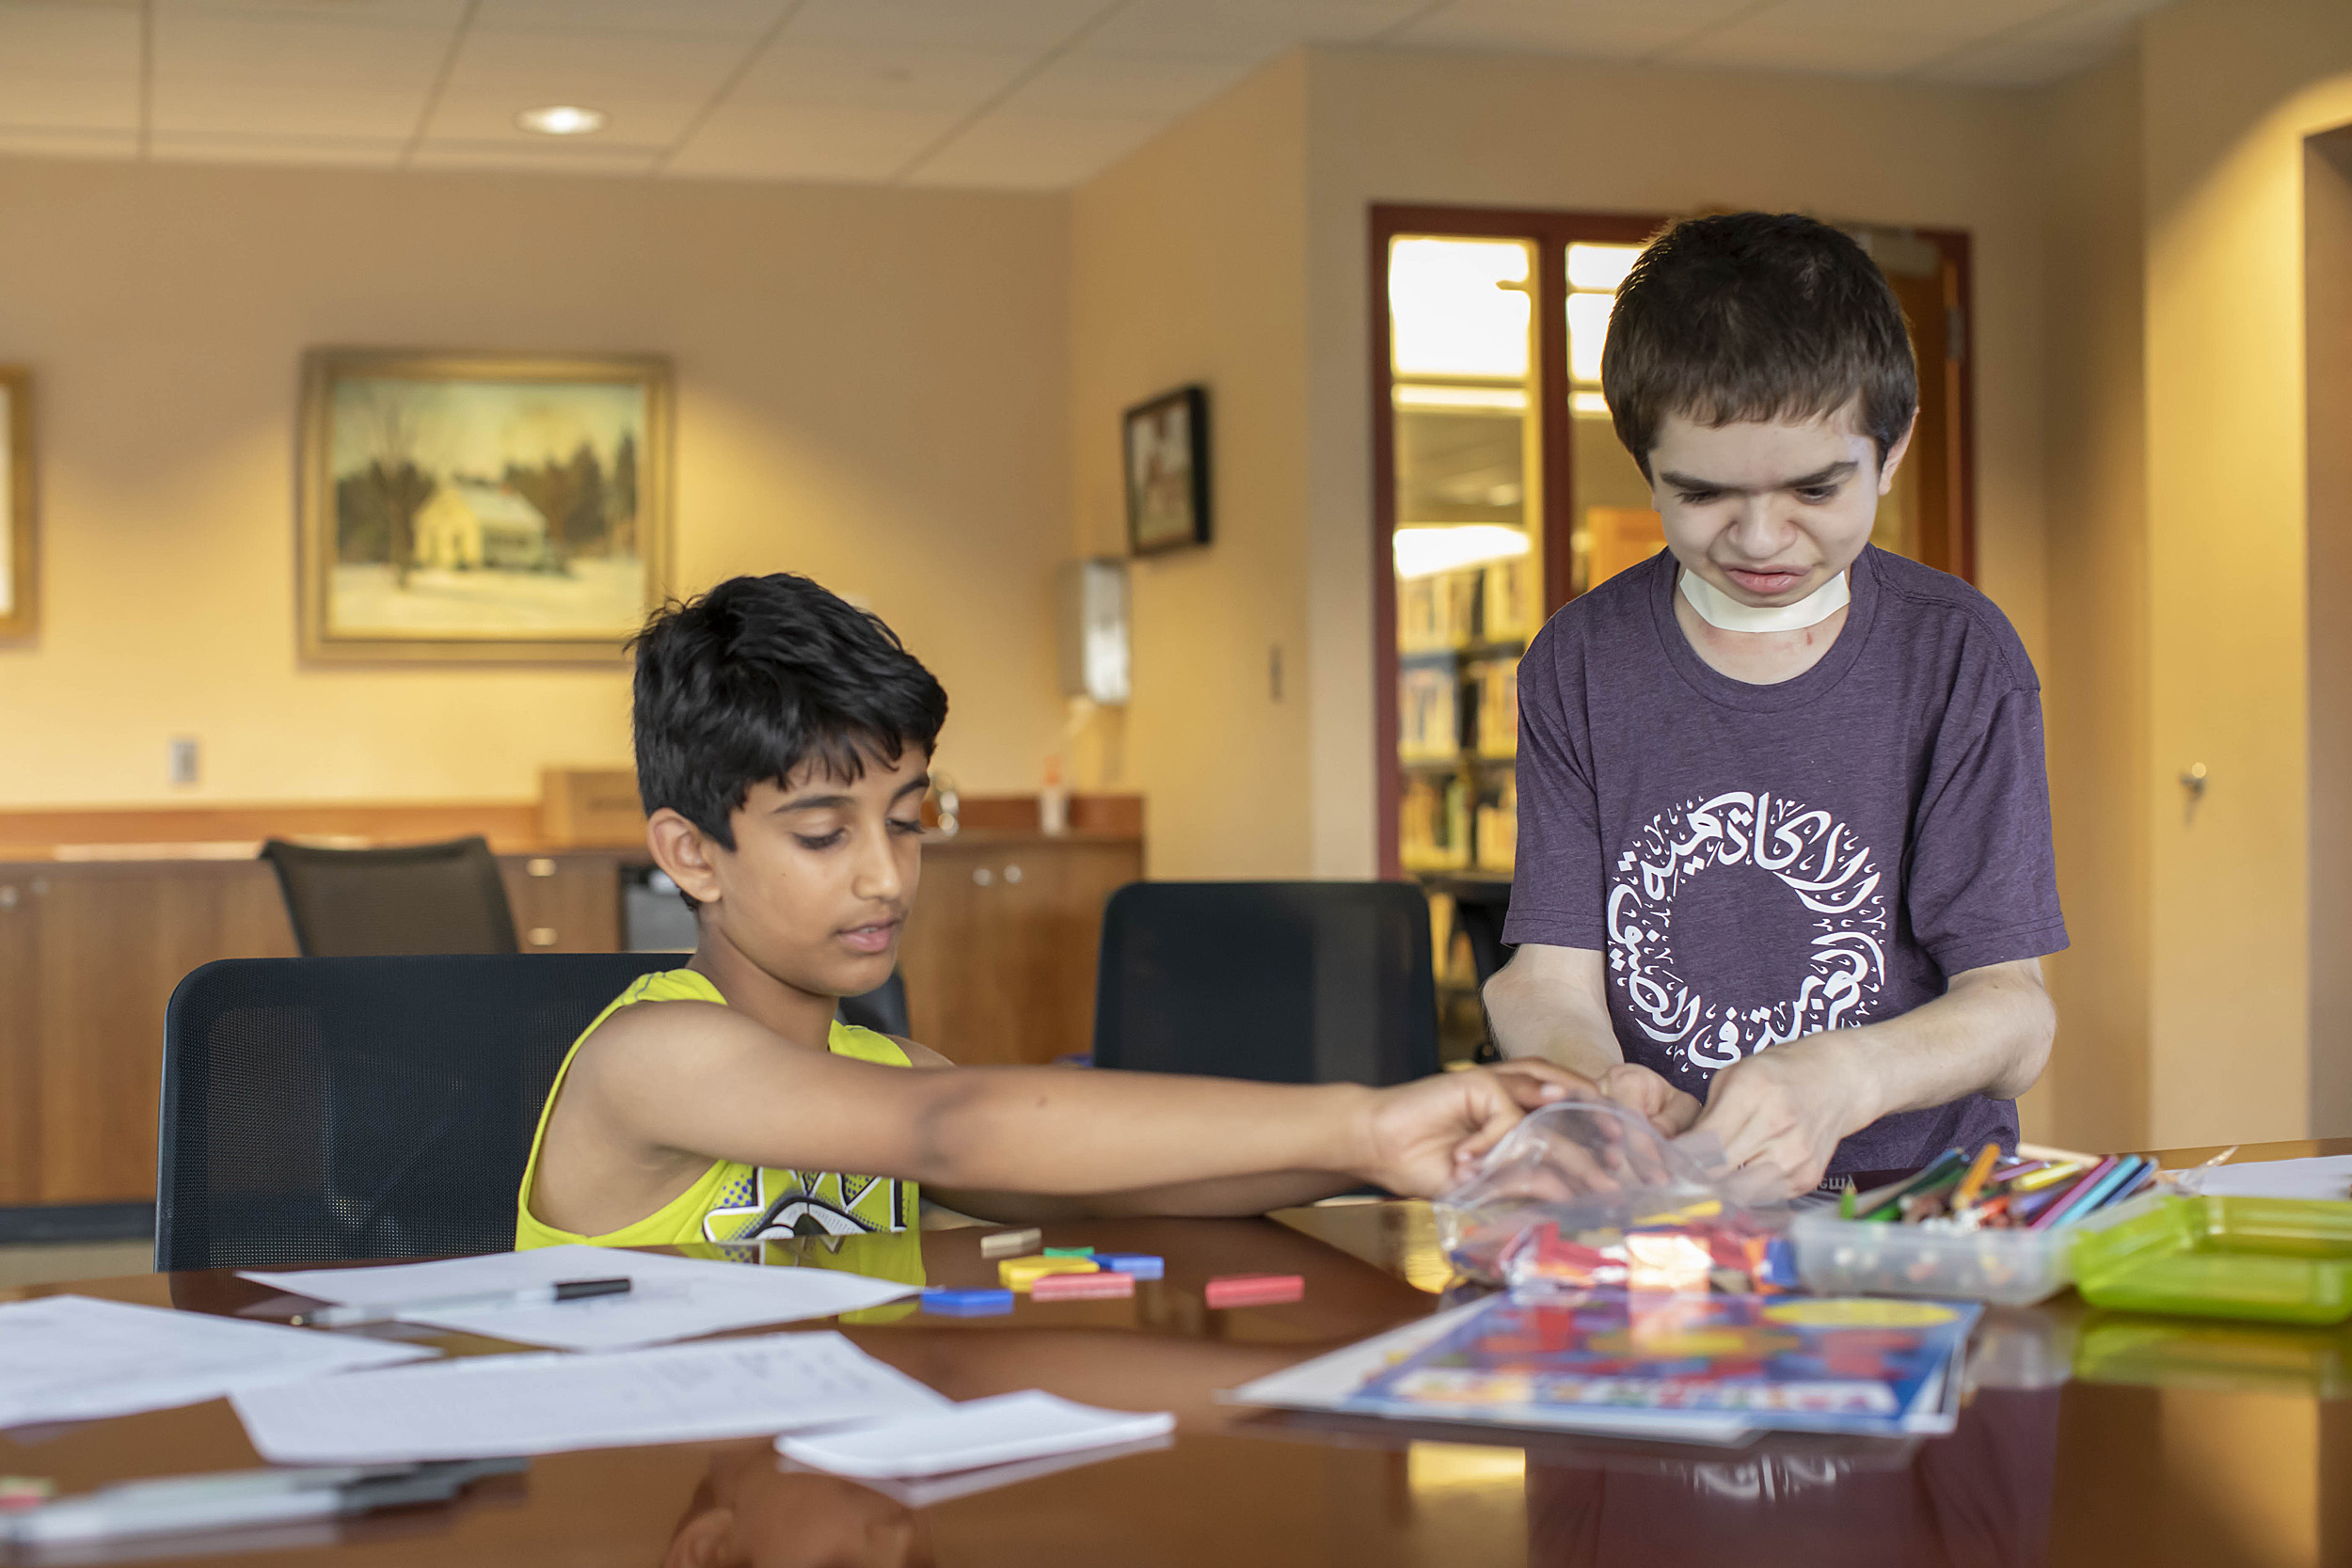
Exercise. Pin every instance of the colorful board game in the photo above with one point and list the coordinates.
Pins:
(1708, 1369)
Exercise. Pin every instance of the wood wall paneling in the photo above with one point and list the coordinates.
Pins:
(20, 1040)
(115, 939)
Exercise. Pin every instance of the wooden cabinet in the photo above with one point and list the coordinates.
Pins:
(998, 958)
(568, 903)
(999, 954)
(89, 954)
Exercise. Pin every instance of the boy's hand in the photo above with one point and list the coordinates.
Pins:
(1635, 1086)
(1781, 1113)
(1418, 1139)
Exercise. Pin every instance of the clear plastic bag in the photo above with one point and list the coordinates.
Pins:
(1585, 1194)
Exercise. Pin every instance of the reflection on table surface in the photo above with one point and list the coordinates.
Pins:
(2088, 1437)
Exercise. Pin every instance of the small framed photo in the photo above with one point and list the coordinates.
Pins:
(20, 580)
(482, 507)
(1167, 472)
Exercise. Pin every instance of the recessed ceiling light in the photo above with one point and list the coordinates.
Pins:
(562, 119)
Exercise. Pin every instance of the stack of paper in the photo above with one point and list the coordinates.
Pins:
(67, 1358)
(2326, 1178)
(492, 1406)
(978, 1433)
(670, 1298)
(1693, 1369)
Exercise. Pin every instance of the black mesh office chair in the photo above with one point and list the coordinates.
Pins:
(883, 1009)
(1286, 982)
(381, 1107)
(415, 898)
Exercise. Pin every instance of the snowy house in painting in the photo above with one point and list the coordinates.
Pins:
(469, 524)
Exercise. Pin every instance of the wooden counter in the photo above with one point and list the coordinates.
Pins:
(96, 930)
(90, 950)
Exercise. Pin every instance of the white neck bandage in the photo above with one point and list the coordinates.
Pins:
(1725, 613)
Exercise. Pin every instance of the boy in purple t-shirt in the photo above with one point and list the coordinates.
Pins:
(1784, 861)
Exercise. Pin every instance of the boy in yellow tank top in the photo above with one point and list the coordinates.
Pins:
(783, 738)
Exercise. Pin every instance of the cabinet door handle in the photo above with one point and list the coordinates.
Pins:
(982, 875)
(543, 936)
(1012, 873)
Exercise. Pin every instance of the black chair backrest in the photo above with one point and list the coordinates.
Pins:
(883, 1009)
(1480, 908)
(414, 898)
(1286, 982)
(330, 1108)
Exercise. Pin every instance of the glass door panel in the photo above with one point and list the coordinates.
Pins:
(1614, 526)
(1469, 540)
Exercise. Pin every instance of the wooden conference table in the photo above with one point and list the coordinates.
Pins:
(2181, 1442)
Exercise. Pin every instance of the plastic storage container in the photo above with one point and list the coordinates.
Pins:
(2010, 1268)
(2272, 1258)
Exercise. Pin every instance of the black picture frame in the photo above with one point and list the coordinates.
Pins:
(1163, 457)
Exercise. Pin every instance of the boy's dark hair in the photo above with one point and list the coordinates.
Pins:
(759, 676)
(1755, 316)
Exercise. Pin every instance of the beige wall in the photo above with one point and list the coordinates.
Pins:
(1189, 264)
(2095, 672)
(872, 389)
(2231, 90)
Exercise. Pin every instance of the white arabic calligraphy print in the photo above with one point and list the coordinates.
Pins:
(1835, 891)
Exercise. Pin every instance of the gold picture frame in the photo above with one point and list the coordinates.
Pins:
(20, 557)
(501, 508)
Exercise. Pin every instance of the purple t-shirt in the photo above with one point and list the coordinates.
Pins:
(1763, 862)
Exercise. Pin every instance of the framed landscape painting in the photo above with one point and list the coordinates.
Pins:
(482, 507)
(20, 584)
(1167, 472)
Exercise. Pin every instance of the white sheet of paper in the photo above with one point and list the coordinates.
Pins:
(492, 1406)
(673, 1298)
(68, 1358)
(2327, 1177)
(996, 1431)
(931, 1490)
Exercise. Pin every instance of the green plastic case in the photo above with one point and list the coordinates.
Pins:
(2272, 1258)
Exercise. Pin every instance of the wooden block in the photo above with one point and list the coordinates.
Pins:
(1082, 1286)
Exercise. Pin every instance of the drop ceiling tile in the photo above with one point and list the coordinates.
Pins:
(285, 109)
(1250, 30)
(1608, 29)
(333, 152)
(914, 81)
(2072, 39)
(487, 114)
(1084, 85)
(1016, 151)
(68, 68)
(776, 141)
(300, 52)
(444, 14)
(1815, 51)
(540, 157)
(1018, 27)
(740, 20)
(652, 87)
(1941, 19)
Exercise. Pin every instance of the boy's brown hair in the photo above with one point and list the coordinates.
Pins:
(1752, 316)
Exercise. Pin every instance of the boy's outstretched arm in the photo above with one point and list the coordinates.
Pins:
(1784, 1110)
(1229, 1194)
(696, 1078)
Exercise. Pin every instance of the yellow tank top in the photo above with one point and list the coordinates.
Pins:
(865, 1223)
